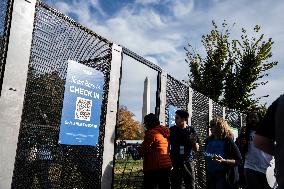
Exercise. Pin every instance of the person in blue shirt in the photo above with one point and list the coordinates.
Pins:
(221, 155)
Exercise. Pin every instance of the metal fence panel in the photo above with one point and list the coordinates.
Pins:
(217, 110)
(40, 161)
(177, 94)
(233, 117)
(200, 121)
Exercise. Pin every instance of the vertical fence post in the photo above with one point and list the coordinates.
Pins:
(163, 98)
(224, 112)
(210, 109)
(14, 83)
(189, 107)
(241, 119)
(112, 106)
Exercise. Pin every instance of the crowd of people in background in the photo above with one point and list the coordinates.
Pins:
(241, 164)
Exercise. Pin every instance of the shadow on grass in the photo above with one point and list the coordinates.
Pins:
(128, 173)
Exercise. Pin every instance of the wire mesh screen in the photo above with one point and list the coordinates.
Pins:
(200, 121)
(243, 119)
(176, 95)
(217, 110)
(233, 118)
(128, 173)
(40, 161)
(5, 20)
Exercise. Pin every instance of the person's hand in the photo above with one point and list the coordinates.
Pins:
(218, 159)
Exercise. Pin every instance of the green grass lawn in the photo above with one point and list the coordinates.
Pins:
(128, 173)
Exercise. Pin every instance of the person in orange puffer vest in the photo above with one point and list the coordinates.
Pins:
(155, 151)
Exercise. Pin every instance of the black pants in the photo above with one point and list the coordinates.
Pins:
(217, 181)
(183, 173)
(157, 179)
(256, 179)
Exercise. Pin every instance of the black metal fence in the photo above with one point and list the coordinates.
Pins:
(40, 161)
(43, 163)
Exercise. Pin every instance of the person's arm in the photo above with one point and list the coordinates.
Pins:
(234, 156)
(265, 134)
(146, 144)
(230, 162)
(194, 140)
(265, 144)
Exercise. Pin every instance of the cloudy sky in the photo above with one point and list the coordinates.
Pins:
(159, 29)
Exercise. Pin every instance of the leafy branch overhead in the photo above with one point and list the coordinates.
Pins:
(231, 69)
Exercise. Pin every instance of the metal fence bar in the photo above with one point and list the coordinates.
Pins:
(163, 97)
(140, 59)
(112, 106)
(14, 83)
(6, 7)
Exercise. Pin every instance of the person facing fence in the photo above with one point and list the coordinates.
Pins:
(221, 156)
(154, 149)
(183, 140)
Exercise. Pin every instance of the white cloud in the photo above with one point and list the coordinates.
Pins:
(63, 7)
(147, 2)
(182, 7)
(96, 4)
(162, 37)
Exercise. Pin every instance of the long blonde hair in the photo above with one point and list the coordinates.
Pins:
(222, 130)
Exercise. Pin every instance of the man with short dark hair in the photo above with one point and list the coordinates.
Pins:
(183, 139)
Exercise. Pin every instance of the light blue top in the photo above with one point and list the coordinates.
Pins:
(256, 159)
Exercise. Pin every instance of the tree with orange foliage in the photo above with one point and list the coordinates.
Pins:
(127, 127)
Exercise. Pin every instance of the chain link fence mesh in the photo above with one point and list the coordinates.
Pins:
(176, 95)
(43, 163)
(217, 110)
(200, 121)
(234, 118)
(40, 161)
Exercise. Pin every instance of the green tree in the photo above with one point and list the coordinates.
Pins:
(44, 98)
(208, 74)
(232, 68)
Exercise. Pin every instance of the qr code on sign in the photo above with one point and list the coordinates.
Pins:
(83, 109)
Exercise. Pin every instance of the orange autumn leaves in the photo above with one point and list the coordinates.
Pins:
(127, 127)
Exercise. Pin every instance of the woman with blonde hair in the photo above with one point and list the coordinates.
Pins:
(221, 155)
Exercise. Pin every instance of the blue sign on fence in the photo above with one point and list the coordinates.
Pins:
(172, 113)
(80, 120)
